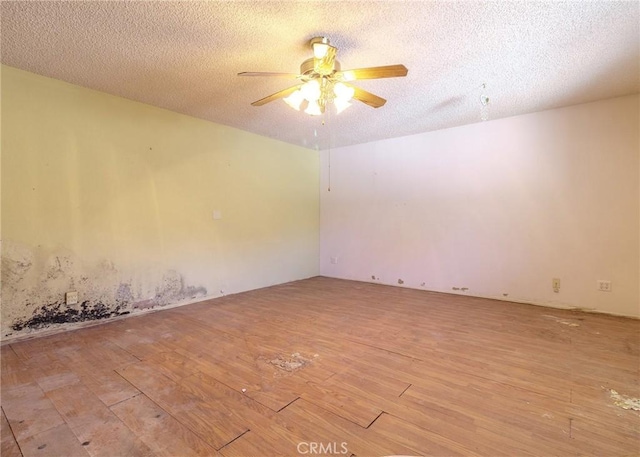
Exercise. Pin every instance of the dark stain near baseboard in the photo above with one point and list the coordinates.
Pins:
(59, 313)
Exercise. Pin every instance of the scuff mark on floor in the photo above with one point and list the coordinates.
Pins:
(621, 401)
(561, 321)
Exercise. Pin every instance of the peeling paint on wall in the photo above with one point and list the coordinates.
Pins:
(35, 280)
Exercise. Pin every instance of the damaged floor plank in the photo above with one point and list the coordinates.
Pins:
(165, 435)
(210, 420)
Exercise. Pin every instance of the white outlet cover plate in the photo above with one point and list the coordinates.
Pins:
(71, 298)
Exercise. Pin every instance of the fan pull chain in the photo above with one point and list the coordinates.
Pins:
(327, 115)
(329, 188)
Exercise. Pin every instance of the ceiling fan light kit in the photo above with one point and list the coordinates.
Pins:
(324, 82)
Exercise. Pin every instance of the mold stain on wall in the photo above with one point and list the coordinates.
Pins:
(34, 282)
(59, 313)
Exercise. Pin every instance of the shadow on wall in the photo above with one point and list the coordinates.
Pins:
(34, 283)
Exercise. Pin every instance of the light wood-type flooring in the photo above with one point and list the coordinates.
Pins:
(329, 367)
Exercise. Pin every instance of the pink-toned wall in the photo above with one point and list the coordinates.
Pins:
(495, 209)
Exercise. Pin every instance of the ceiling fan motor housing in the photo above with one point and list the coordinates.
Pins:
(307, 68)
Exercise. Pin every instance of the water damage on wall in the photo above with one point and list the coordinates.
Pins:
(35, 280)
(59, 313)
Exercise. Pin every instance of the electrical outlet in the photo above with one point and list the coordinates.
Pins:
(604, 286)
(71, 297)
(555, 284)
(334, 260)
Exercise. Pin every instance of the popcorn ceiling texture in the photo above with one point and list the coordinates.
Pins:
(184, 56)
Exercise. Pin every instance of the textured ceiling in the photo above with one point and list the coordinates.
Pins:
(184, 56)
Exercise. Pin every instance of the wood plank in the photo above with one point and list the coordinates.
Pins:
(8, 445)
(107, 385)
(410, 435)
(241, 405)
(315, 424)
(8, 359)
(172, 364)
(212, 421)
(258, 443)
(348, 404)
(55, 442)
(103, 433)
(29, 411)
(242, 375)
(164, 435)
(50, 373)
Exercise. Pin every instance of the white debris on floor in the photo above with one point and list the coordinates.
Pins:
(624, 402)
(290, 364)
(561, 321)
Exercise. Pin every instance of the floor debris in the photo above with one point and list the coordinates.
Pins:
(624, 402)
(290, 364)
(562, 321)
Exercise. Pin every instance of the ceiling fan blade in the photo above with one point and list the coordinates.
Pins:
(388, 71)
(277, 95)
(367, 97)
(265, 73)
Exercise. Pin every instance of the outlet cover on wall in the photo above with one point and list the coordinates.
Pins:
(334, 260)
(71, 297)
(217, 214)
(604, 285)
(555, 284)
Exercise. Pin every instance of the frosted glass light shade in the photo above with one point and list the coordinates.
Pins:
(311, 90)
(341, 104)
(295, 100)
(313, 108)
(343, 91)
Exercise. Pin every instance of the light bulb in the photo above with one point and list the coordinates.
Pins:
(348, 76)
(295, 100)
(311, 90)
(313, 108)
(320, 50)
(343, 91)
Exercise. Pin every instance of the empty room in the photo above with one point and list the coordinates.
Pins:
(300, 228)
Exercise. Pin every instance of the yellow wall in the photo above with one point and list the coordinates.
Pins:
(115, 199)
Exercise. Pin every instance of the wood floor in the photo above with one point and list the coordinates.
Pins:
(329, 367)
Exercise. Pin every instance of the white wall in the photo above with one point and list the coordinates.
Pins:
(114, 199)
(499, 207)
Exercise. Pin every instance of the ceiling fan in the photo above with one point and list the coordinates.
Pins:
(322, 81)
